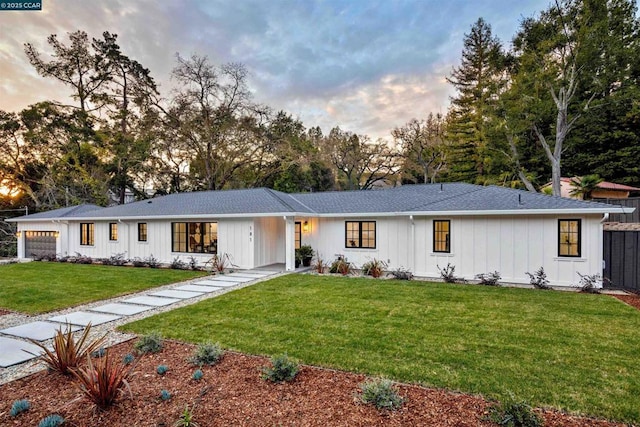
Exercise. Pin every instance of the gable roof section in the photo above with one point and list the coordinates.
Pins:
(425, 199)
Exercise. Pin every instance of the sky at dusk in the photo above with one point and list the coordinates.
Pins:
(365, 65)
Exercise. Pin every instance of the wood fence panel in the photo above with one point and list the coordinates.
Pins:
(621, 253)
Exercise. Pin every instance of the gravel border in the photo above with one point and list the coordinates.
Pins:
(29, 367)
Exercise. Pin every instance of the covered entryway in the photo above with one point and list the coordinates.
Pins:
(38, 244)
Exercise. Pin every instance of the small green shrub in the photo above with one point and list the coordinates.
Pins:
(207, 354)
(53, 420)
(138, 262)
(186, 418)
(539, 279)
(151, 343)
(489, 279)
(162, 369)
(128, 359)
(19, 406)
(197, 375)
(165, 395)
(152, 262)
(282, 369)
(381, 393)
(178, 264)
(512, 413)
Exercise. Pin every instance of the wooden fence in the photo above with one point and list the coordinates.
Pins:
(633, 202)
(621, 263)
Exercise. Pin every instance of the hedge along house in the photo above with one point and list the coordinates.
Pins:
(418, 227)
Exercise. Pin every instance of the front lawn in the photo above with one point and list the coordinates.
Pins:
(570, 351)
(39, 287)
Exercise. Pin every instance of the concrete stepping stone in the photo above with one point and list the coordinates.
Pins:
(121, 309)
(198, 288)
(216, 283)
(151, 301)
(38, 331)
(229, 278)
(12, 351)
(83, 318)
(170, 293)
(251, 276)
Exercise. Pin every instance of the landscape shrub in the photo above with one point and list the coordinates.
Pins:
(178, 264)
(151, 343)
(448, 273)
(193, 263)
(19, 406)
(103, 382)
(374, 268)
(219, 263)
(539, 279)
(53, 420)
(138, 262)
(128, 359)
(513, 413)
(319, 265)
(99, 352)
(165, 395)
(67, 352)
(588, 283)
(489, 279)
(152, 262)
(186, 418)
(340, 265)
(197, 375)
(381, 393)
(402, 274)
(162, 369)
(117, 259)
(282, 369)
(207, 354)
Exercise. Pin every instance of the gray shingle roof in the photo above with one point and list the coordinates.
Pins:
(407, 199)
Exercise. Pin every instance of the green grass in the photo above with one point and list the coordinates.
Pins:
(39, 287)
(570, 351)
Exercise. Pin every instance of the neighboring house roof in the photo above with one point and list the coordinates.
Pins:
(450, 198)
(604, 185)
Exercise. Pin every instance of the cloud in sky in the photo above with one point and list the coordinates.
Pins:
(366, 65)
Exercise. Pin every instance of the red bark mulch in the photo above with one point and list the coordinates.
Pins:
(232, 393)
(632, 300)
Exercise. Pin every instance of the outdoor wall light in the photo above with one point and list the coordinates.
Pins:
(306, 227)
(19, 234)
(56, 234)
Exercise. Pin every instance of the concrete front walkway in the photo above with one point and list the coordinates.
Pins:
(17, 354)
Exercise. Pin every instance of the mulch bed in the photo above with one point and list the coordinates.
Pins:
(232, 393)
(3, 312)
(632, 300)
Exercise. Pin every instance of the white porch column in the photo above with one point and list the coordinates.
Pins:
(20, 237)
(290, 244)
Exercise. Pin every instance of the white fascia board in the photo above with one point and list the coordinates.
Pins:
(598, 211)
(175, 217)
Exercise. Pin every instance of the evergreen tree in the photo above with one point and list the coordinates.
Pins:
(479, 80)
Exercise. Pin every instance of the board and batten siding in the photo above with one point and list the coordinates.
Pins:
(511, 245)
(269, 241)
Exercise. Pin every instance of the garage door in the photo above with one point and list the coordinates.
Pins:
(40, 243)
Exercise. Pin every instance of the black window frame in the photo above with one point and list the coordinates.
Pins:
(568, 245)
(113, 231)
(143, 232)
(447, 239)
(203, 231)
(297, 234)
(359, 246)
(87, 234)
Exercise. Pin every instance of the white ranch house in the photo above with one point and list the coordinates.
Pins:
(418, 227)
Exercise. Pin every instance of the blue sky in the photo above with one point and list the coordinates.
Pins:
(367, 66)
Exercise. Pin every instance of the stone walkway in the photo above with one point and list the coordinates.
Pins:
(17, 353)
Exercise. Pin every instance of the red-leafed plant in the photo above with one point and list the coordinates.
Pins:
(103, 382)
(67, 352)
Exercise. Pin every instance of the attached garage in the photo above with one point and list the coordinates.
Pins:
(40, 243)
